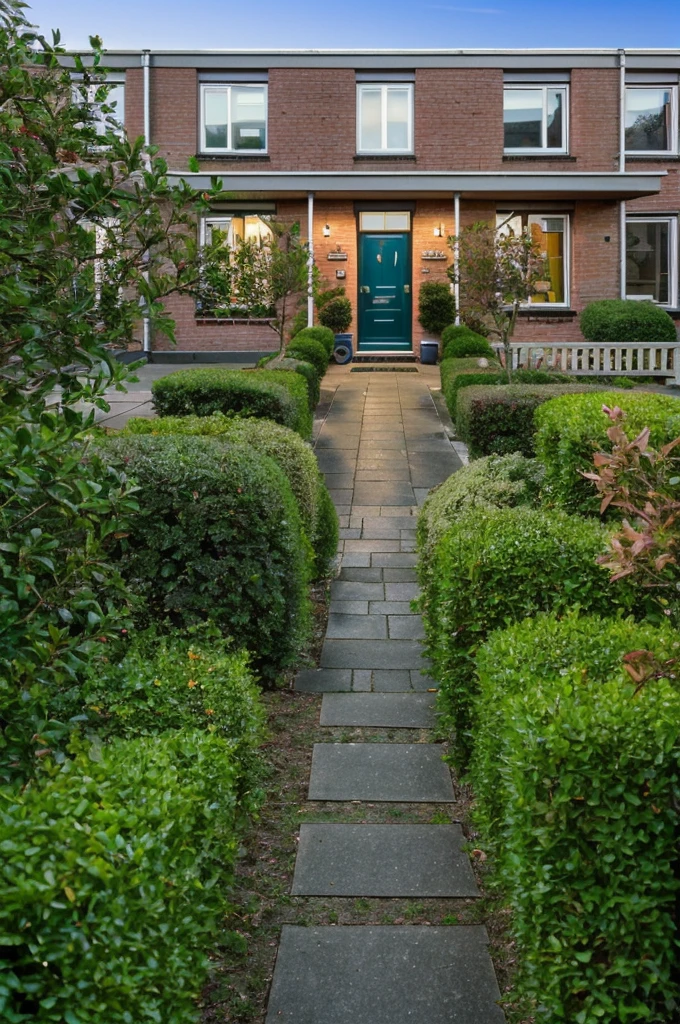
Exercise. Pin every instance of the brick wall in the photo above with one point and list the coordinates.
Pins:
(458, 118)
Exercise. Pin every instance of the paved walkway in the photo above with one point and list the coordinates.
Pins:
(381, 447)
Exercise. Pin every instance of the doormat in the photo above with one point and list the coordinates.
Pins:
(383, 369)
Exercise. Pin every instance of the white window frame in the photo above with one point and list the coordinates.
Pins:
(384, 88)
(672, 222)
(673, 140)
(538, 217)
(226, 87)
(544, 149)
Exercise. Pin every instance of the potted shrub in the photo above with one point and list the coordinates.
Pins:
(337, 315)
(436, 310)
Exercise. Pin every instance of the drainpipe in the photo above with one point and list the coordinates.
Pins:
(456, 255)
(146, 323)
(310, 259)
(622, 168)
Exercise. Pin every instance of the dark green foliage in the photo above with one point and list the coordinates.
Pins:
(321, 334)
(308, 372)
(497, 480)
(218, 536)
(452, 370)
(436, 306)
(267, 394)
(500, 565)
(115, 873)
(290, 453)
(499, 418)
(627, 320)
(311, 351)
(459, 341)
(577, 779)
(569, 430)
(336, 315)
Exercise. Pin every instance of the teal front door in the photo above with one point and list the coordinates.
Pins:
(384, 292)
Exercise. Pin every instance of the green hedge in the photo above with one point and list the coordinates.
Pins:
(570, 429)
(578, 776)
(497, 480)
(311, 351)
(452, 371)
(268, 394)
(459, 341)
(626, 320)
(499, 418)
(291, 454)
(114, 880)
(323, 335)
(307, 371)
(218, 535)
(499, 565)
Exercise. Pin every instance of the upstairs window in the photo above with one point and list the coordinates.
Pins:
(551, 233)
(385, 118)
(535, 119)
(651, 119)
(233, 118)
(91, 97)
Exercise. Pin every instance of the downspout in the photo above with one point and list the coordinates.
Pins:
(310, 259)
(456, 255)
(622, 169)
(146, 323)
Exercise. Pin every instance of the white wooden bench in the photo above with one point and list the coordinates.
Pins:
(607, 360)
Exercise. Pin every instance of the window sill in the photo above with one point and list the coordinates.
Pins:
(541, 157)
(538, 313)
(656, 157)
(204, 318)
(233, 156)
(385, 156)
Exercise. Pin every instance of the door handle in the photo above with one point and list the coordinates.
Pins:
(365, 289)
(407, 289)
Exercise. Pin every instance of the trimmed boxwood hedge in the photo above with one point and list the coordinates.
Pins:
(452, 371)
(498, 565)
(311, 351)
(626, 320)
(307, 371)
(578, 782)
(275, 395)
(289, 452)
(499, 418)
(459, 341)
(323, 335)
(218, 535)
(570, 429)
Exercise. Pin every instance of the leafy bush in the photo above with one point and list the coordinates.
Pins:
(323, 335)
(452, 370)
(277, 396)
(570, 429)
(114, 878)
(311, 351)
(436, 306)
(577, 773)
(308, 372)
(459, 341)
(336, 315)
(292, 455)
(626, 320)
(218, 535)
(499, 418)
(500, 565)
(497, 480)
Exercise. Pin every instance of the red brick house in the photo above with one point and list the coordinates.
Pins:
(381, 155)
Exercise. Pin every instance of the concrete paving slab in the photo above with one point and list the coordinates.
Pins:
(379, 710)
(398, 492)
(383, 474)
(403, 591)
(352, 575)
(356, 627)
(383, 861)
(389, 608)
(373, 544)
(322, 680)
(391, 575)
(394, 558)
(362, 680)
(421, 681)
(392, 681)
(357, 590)
(357, 559)
(380, 654)
(405, 627)
(380, 772)
(340, 496)
(351, 607)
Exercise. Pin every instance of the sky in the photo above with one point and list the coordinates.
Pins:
(361, 24)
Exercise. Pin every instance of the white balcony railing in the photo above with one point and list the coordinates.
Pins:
(607, 360)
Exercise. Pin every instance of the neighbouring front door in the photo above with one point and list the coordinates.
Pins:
(384, 292)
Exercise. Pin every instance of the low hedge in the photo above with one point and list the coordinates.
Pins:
(499, 565)
(307, 371)
(291, 454)
(451, 371)
(494, 481)
(218, 535)
(570, 429)
(114, 879)
(324, 335)
(277, 396)
(459, 341)
(311, 351)
(578, 775)
(496, 419)
(626, 320)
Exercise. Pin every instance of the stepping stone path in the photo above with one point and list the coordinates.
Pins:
(381, 448)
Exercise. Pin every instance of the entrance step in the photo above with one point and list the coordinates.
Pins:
(383, 861)
(379, 710)
(381, 772)
(415, 974)
(396, 356)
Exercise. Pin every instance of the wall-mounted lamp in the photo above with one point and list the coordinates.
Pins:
(439, 231)
(326, 231)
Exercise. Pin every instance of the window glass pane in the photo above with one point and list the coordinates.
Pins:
(257, 230)
(370, 134)
(215, 113)
(523, 118)
(548, 233)
(648, 119)
(397, 221)
(555, 118)
(248, 117)
(397, 118)
(647, 260)
(509, 225)
(217, 228)
(372, 221)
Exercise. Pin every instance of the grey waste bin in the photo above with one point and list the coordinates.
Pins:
(429, 350)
